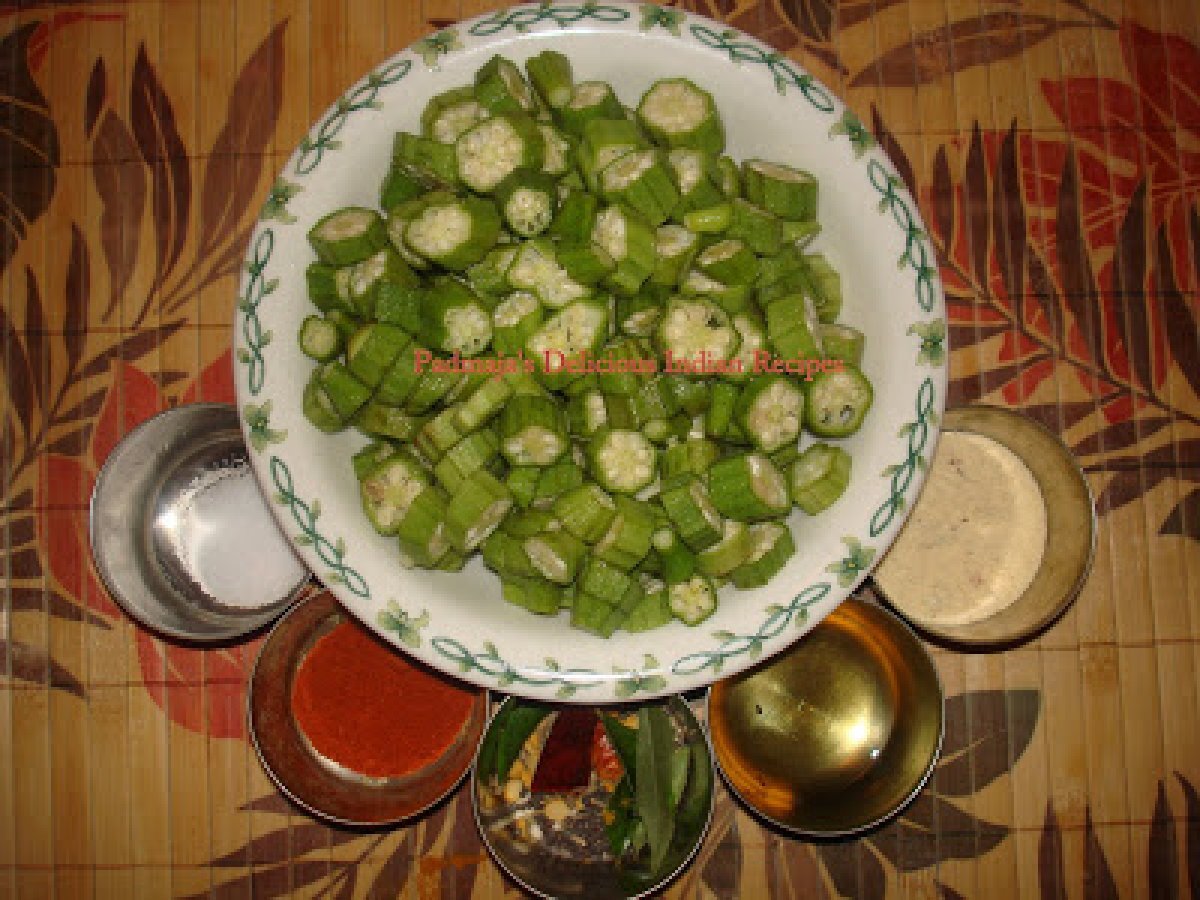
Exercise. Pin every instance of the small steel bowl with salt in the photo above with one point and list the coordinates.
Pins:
(181, 534)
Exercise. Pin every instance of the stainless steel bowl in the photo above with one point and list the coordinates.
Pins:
(168, 501)
(837, 734)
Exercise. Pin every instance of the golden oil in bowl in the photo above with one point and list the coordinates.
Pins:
(836, 734)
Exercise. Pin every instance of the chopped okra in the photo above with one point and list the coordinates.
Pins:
(586, 346)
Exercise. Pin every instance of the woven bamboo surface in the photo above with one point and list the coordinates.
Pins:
(1055, 151)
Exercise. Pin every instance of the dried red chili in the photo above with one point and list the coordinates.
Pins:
(566, 760)
(367, 708)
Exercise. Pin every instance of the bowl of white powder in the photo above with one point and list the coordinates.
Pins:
(1001, 539)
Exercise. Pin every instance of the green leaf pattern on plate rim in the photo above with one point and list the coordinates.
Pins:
(652, 678)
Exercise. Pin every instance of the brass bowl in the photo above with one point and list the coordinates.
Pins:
(1070, 532)
(836, 734)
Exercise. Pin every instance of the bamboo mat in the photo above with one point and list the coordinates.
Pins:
(1055, 150)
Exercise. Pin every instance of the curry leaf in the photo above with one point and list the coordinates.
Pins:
(655, 743)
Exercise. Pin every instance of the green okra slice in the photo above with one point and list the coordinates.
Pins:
(692, 395)
(537, 595)
(604, 581)
(490, 275)
(505, 555)
(819, 477)
(638, 315)
(677, 113)
(760, 230)
(586, 511)
(629, 239)
(654, 399)
(468, 456)
(532, 431)
(421, 531)
(843, 342)
(650, 612)
(606, 140)
(320, 339)
(346, 393)
(719, 418)
(431, 389)
(578, 327)
(587, 263)
(401, 379)
(527, 523)
(521, 482)
(732, 298)
(837, 401)
(589, 100)
(455, 232)
(770, 410)
(385, 421)
(695, 329)
(732, 550)
(587, 413)
(360, 279)
(433, 158)
(563, 475)
(664, 431)
(787, 192)
(677, 559)
(748, 487)
(514, 321)
(628, 538)
(348, 235)
(641, 181)
(624, 376)
(407, 180)
(693, 600)
(675, 248)
(500, 88)
(368, 457)
(390, 488)
(455, 319)
(535, 268)
(398, 305)
(792, 327)
(825, 284)
(321, 284)
(728, 261)
(752, 333)
(527, 201)
(709, 219)
(729, 177)
(438, 434)
(691, 511)
(491, 150)
(448, 114)
(475, 510)
(692, 456)
(484, 402)
(550, 74)
(622, 461)
(576, 217)
(772, 546)
(373, 350)
(556, 555)
(318, 408)
(558, 151)
(398, 219)
(696, 177)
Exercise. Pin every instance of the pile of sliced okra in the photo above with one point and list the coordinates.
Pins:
(535, 219)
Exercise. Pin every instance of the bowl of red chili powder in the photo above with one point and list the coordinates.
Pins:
(352, 730)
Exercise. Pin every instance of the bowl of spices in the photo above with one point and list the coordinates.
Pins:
(838, 733)
(1001, 538)
(593, 802)
(181, 534)
(352, 730)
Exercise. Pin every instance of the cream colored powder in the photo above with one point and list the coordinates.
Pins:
(975, 538)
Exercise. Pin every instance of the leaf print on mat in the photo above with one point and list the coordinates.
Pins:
(34, 665)
(235, 162)
(986, 733)
(163, 151)
(121, 183)
(1163, 851)
(28, 144)
(854, 869)
(1184, 519)
(1192, 833)
(721, 872)
(937, 52)
(792, 870)
(1052, 879)
(1097, 875)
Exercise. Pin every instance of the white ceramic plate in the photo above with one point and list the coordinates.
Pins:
(872, 233)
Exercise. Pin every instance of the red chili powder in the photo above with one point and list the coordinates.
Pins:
(368, 709)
